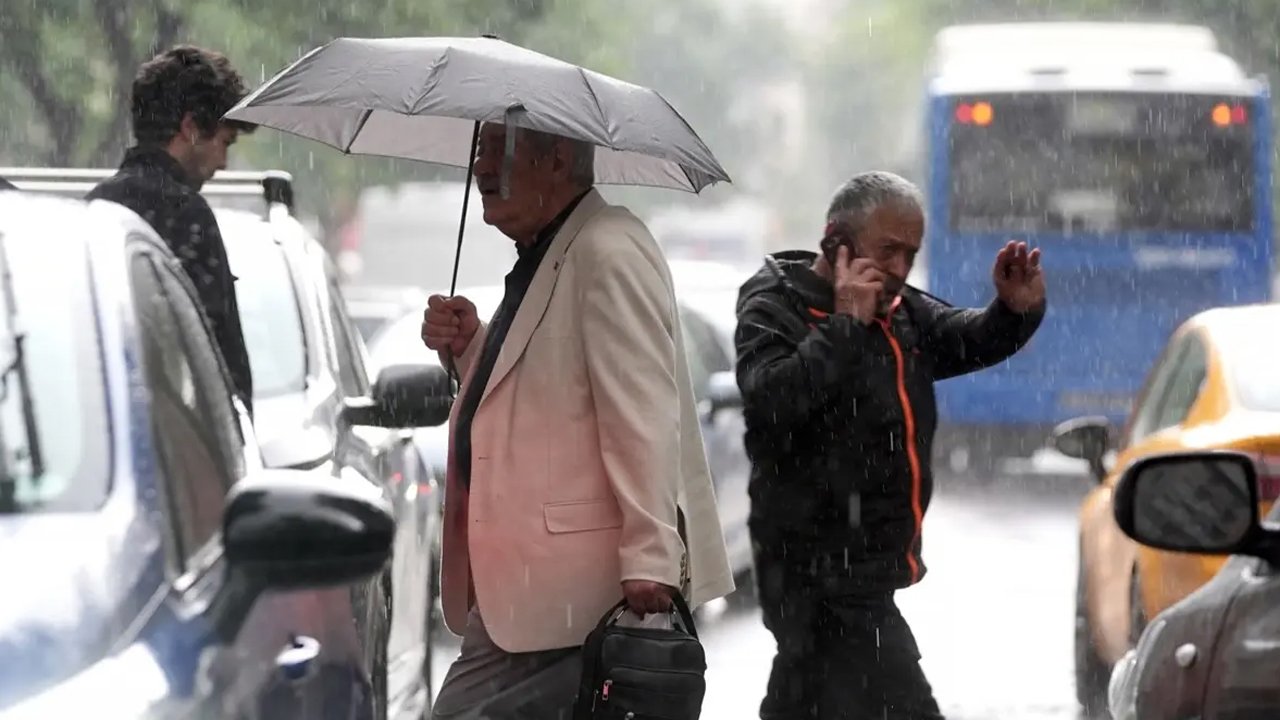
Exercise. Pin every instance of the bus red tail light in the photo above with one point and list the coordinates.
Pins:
(980, 113)
(1224, 115)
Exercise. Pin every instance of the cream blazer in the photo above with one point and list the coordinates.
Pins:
(585, 440)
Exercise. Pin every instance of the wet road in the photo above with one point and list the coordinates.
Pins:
(993, 618)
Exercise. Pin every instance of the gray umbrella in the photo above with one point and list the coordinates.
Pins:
(424, 98)
(418, 98)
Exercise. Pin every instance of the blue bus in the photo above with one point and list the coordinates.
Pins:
(1139, 158)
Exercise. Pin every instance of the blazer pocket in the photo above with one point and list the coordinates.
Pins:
(581, 516)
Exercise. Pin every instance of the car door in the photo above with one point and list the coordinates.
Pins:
(1243, 681)
(1153, 427)
(382, 454)
(722, 433)
(243, 672)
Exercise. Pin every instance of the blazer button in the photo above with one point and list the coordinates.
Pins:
(1185, 655)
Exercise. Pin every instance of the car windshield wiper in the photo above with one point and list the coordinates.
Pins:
(17, 365)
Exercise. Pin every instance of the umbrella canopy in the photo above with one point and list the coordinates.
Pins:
(420, 99)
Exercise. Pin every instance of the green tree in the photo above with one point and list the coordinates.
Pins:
(75, 60)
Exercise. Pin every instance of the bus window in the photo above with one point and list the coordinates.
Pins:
(1101, 162)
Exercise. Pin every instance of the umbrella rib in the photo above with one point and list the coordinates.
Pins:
(428, 83)
(586, 79)
(716, 172)
(359, 127)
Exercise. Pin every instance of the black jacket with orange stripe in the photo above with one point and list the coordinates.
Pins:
(840, 420)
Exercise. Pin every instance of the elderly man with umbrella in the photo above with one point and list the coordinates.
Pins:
(577, 474)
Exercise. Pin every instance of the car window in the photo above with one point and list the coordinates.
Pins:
(194, 421)
(369, 325)
(1184, 385)
(708, 341)
(1146, 413)
(269, 314)
(699, 372)
(351, 370)
(700, 348)
(53, 307)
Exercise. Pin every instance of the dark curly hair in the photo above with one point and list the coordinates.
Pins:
(184, 80)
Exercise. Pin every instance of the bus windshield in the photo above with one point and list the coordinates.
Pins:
(1101, 162)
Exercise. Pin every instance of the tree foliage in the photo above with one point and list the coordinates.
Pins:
(71, 64)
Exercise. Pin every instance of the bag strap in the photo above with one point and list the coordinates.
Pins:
(683, 612)
(684, 581)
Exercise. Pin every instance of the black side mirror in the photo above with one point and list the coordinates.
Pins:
(1085, 438)
(1198, 502)
(403, 396)
(723, 392)
(286, 529)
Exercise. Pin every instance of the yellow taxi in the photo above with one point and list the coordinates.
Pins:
(1216, 385)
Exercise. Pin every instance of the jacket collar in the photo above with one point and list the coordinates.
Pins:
(155, 158)
(538, 296)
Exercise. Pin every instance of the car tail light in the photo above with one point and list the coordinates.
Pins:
(1269, 478)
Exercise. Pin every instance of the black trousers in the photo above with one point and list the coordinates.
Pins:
(840, 657)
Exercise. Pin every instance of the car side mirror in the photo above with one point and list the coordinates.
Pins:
(723, 392)
(403, 396)
(1085, 438)
(285, 529)
(288, 529)
(1197, 502)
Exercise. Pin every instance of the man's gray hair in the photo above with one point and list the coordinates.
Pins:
(582, 168)
(854, 202)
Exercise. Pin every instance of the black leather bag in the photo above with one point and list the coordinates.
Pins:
(631, 673)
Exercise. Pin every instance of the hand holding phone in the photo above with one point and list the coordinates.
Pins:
(858, 285)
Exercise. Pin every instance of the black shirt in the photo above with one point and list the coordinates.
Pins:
(153, 185)
(517, 284)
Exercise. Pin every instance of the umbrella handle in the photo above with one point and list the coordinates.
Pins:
(452, 368)
(509, 151)
(450, 365)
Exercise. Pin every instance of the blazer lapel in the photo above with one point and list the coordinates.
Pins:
(538, 296)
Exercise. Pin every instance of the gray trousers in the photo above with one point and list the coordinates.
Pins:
(489, 683)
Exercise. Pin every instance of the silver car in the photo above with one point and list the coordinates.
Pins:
(307, 359)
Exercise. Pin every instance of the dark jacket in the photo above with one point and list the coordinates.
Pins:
(152, 184)
(840, 419)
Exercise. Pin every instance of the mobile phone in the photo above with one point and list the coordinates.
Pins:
(832, 238)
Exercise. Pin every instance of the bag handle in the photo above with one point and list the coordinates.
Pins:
(680, 610)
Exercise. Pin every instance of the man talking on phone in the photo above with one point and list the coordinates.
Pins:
(837, 357)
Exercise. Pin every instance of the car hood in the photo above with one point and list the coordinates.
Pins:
(292, 430)
(73, 584)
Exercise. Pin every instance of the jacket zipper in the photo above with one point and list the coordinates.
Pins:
(913, 458)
